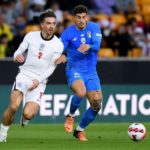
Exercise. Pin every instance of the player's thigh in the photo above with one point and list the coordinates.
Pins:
(15, 99)
(75, 81)
(92, 83)
(32, 101)
(95, 99)
(94, 93)
(22, 83)
(79, 88)
(19, 89)
(35, 95)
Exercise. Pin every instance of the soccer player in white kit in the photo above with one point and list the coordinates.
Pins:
(43, 48)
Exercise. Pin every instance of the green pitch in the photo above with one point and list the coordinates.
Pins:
(53, 137)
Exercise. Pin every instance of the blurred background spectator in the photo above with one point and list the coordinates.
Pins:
(125, 24)
(3, 45)
(107, 7)
(34, 10)
(54, 6)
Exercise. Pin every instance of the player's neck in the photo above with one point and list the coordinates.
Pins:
(45, 36)
(80, 28)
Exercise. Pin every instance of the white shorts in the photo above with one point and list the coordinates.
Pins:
(23, 83)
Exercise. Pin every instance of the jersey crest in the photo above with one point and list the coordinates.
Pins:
(89, 34)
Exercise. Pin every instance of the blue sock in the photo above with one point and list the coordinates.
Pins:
(88, 117)
(75, 102)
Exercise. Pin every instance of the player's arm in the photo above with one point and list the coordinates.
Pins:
(34, 85)
(61, 59)
(96, 39)
(18, 55)
(65, 41)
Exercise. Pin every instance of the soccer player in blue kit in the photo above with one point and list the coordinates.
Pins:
(81, 44)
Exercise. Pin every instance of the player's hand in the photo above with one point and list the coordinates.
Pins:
(34, 85)
(84, 48)
(20, 58)
(61, 59)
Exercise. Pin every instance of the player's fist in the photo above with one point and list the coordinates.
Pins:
(34, 85)
(20, 58)
(61, 59)
(84, 48)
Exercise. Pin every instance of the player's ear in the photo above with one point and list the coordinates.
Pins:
(42, 24)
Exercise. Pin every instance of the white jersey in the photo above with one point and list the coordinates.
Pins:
(41, 55)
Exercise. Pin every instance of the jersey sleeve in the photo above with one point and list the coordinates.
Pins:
(65, 39)
(51, 66)
(23, 46)
(96, 38)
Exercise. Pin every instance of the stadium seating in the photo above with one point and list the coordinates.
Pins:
(118, 19)
(136, 52)
(106, 52)
(144, 1)
(146, 9)
(144, 5)
(137, 17)
(32, 28)
(100, 17)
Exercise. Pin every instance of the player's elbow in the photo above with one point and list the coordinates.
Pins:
(95, 47)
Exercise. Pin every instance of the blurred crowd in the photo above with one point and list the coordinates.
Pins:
(125, 31)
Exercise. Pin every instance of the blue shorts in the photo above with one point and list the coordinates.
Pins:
(91, 80)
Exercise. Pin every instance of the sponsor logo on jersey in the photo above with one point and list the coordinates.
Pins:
(76, 75)
(82, 35)
(74, 39)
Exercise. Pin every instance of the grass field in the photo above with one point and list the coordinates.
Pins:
(53, 137)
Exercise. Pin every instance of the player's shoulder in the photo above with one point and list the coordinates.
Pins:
(93, 27)
(58, 42)
(92, 24)
(69, 29)
(33, 34)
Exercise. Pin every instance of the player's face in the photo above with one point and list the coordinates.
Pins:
(49, 25)
(80, 20)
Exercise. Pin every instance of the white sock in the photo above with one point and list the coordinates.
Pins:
(25, 120)
(4, 129)
(71, 115)
(79, 128)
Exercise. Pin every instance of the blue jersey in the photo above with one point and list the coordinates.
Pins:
(72, 38)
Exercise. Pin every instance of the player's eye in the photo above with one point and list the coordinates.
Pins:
(54, 23)
(78, 17)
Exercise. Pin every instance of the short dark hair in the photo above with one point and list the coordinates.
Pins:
(46, 14)
(80, 9)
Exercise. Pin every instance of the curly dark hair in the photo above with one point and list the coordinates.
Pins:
(80, 9)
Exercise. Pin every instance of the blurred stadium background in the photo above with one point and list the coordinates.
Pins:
(124, 60)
